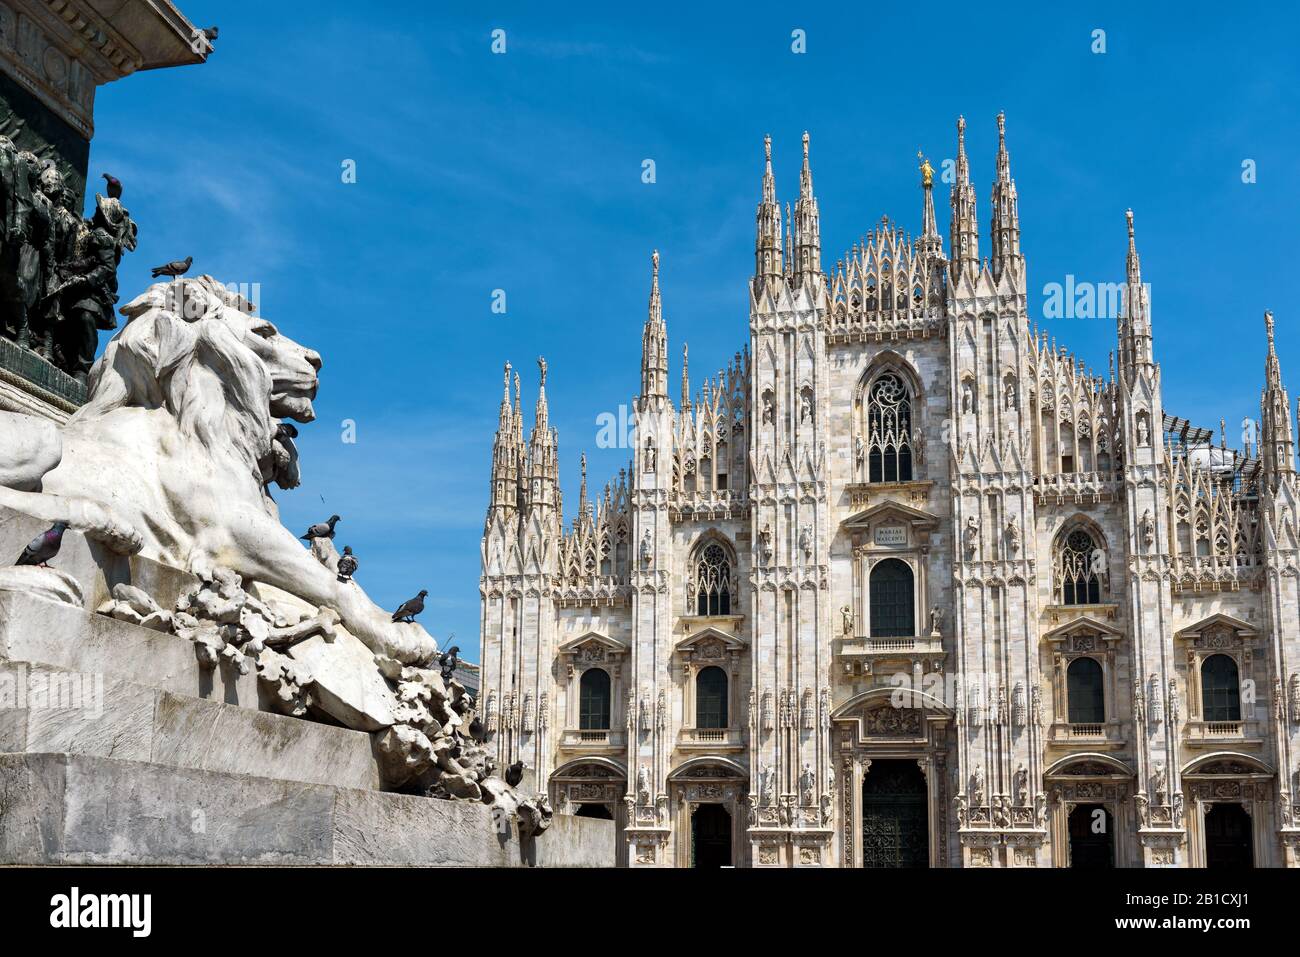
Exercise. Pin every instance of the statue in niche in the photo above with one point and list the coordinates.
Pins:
(647, 547)
(846, 617)
(806, 542)
(936, 619)
(977, 787)
(1143, 431)
(1013, 537)
(971, 536)
(967, 397)
(643, 785)
(649, 456)
(765, 544)
(1160, 784)
(767, 785)
(859, 451)
(805, 406)
(1022, 787)
(1010, 396)
(769, 410)
(1148, 529)
(807, 783)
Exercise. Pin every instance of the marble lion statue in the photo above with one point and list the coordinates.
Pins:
(167, 457)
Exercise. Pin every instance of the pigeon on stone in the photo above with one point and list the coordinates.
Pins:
(44, 546)
(410, 608)
(114, 186)
(211, 33)
(347, 564)
(177, 267)
(449, 661)
(477, 731)
(515, 774)
(321, 530)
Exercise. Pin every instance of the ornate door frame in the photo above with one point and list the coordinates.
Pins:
(1091, 778)
(708, 780)
(869, 727)
(593, 780)
(1229, 778)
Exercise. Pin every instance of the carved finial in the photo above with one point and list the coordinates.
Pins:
(1002, 124)
(654, 264)
(1223, 433)
(1128, 214)
(767, 147)
(541, 365)
(1268, 325)
(805, 147)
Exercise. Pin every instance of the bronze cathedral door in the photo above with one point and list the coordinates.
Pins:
(895, 816)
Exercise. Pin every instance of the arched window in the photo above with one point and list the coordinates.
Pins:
(593, 700)
(711, 698)
(889, 429)
(892, 614)
(1220, 689)
(1084, 692)
(1080, 561)
(712, 584)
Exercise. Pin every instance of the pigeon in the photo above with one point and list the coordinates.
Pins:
(477, 731)
(449, 662)
(114, 186)
(211, 33)
(44, 546)
(347, 564)
(321, 530)
(286, 430)
(177, 267)
(515, 774)
(410, 608)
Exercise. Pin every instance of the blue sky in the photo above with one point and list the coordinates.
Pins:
(523, 171)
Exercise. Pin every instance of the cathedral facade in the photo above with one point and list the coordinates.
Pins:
(906, 584)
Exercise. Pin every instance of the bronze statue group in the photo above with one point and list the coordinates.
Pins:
(58, 271)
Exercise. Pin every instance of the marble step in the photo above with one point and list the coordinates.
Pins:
(39, 630)
(106, 715)
(77, 809)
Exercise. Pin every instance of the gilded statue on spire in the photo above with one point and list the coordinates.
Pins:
(927, 171)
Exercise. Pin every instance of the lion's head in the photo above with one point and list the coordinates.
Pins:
(195, 349)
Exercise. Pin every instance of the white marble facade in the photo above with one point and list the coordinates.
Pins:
(906, 584)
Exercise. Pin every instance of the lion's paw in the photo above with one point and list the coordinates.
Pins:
(118, 537)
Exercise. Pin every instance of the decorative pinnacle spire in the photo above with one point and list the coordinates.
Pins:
(961, 141)
(541, 365)
(1268, 326)
(505, 396)
(686, 378)
(1004, 161)
(769, 181)
(656, 305)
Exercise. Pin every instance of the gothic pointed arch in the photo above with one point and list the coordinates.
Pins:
(712, 584)
(1079, 563)
(887, 421)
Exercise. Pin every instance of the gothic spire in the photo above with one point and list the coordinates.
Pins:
(806, 225)
(965, 251)
(1135, 324)
(930, 242)
(1005, 231)
(654, 342)
(767, 241)
(1276, 442)
(505, 456)
(686, 379)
